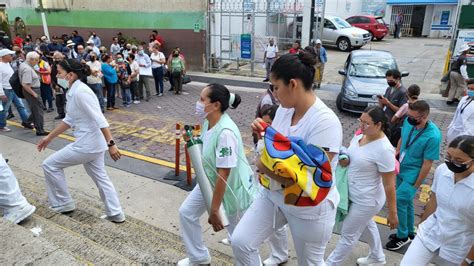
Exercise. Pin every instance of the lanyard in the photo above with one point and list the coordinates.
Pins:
(465, 105)
(408, 144)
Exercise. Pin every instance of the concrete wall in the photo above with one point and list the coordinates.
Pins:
(438, 9)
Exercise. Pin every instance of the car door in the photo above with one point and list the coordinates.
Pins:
(330, 33)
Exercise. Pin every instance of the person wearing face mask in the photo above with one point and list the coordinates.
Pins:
(146, 73)
(158, 60)
(110, 79)
(413, 92)
(94, 80)
(371, 181)
(177, 70)
(124, 71)
(392, 100)
(59, 86)
(463, 120)
(225, 165)
(446, 228)
(301, 114)
(93, 138)
(95, 39)
(417, 148)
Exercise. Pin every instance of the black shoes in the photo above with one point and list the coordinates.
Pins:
(27, 125)
(42, 133)
(411, 236)
(397, 243)
(10, 116)
(59, 117)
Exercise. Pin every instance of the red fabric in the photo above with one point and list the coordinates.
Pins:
(293, 51)
(159, 39)
(18, 41)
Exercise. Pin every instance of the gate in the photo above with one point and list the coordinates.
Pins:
(238, 32)
(407, 11)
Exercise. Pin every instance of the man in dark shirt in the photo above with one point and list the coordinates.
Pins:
(77, 39)
(458, 76)
(394, 97)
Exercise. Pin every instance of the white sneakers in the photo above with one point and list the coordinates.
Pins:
(272, 261)
(370, 261)
(17, 215)
(187, 262)
(118, 218)
(69, 207)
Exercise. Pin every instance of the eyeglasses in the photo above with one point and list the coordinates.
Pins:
(363, 123)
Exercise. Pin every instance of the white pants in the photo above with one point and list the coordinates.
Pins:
(278, 242)
(418, 254)
(192, 208)
(264, 217)
(358, 219)
(56, 184)
(10, 194)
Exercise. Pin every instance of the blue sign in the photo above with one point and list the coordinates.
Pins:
(444, 20)
(245, 46)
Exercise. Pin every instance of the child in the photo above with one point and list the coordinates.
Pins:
(413, 92)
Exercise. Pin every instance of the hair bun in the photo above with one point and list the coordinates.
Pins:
(307, 58)
(234, 100)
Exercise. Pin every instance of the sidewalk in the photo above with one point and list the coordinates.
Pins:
(154, 203)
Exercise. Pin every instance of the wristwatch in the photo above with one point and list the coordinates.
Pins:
(111, 143)
(469, 262)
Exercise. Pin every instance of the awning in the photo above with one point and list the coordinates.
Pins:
(422, 2)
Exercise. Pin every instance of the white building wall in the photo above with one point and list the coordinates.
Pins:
(437, 11)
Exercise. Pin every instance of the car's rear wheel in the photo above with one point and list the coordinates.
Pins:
(379, 39)
(344, 44)
(339, 102)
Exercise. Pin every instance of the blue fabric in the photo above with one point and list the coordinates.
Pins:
(323, 55)
(405, 210)
(416, 2)
(110, 74)
(12, 98)
(426, 147)
(97, 89)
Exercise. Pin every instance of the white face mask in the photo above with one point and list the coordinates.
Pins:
(63, 83)
(200, 110)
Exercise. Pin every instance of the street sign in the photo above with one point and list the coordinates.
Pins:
(197, 27)
(246, 46)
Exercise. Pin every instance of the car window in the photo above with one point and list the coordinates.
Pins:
(352, 20)
(341, 23)
(370, 67)
(328, 24)
(381, 21)
(365, 20)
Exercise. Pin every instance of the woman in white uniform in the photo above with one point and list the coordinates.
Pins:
(371, 180)
(447, 225)
(227, 169)
(463, 120)
(93, 138)
(303, 115)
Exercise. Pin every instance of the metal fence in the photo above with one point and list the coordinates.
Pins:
(238, 32)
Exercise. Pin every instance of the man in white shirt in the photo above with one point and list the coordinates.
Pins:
(95, 39)
(92, 47)
(7, 95)
(146, 74)
(135, 69)
(269, 57)
(115, 46)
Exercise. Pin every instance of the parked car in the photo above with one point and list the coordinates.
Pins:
(364, 79)
(337, 32)
(376, 26)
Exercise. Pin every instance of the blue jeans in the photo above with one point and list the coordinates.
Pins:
(126, 95)
(47, 95)
(12, 98)
(110, 94)
(158, 76)
(97, 89)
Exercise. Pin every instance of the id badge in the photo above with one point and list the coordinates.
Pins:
(402, 156)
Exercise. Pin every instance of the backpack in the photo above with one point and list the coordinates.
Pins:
(16, 84)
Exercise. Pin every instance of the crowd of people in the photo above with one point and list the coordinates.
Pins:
(387, 160)
(128, 72)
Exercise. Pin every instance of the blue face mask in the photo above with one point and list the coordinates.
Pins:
(470, 93)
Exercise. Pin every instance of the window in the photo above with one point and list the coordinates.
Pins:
(365, 20)
(328, 24)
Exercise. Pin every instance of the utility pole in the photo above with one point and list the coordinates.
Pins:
(310, 30)
(43, 19)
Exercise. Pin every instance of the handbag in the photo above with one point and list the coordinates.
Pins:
(186, 79)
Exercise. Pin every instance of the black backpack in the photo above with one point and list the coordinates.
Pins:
(16, 84)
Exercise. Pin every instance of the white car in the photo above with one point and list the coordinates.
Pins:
(337, 32)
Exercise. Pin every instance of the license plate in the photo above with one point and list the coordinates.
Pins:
(371, 104)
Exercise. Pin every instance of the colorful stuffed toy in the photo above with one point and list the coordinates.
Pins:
(307, 165)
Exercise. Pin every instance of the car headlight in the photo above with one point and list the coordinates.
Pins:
(350, 92)
(355, 35)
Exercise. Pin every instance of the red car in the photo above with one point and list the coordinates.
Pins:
(374, 25)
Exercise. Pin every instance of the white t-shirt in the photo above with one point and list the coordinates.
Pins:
(158, 57)
(135, 68)
(462, 123)
(6, 71)
(271, 51)
(95, 66)
(450, 229)
(319, 126)
(226, 150)
(366, 164)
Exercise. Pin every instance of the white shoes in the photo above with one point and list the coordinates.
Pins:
(225, 241)
(119, 218)
(187, 262)
(20, 214)
(69, 207)
(369, 261)
(273, 261)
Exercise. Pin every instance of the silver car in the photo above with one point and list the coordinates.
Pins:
(337, 32)
(364, 79)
